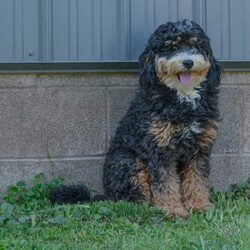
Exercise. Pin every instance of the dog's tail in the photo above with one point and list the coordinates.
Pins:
(73, 194)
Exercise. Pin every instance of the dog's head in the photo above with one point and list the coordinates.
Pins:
(179, 56)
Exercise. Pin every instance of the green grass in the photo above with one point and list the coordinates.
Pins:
(31, 222)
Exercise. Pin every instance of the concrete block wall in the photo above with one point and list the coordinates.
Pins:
(72, 117)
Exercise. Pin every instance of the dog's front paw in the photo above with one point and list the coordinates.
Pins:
(199, 205)
(176, 212)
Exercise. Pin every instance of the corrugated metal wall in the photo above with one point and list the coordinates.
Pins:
(113, 30)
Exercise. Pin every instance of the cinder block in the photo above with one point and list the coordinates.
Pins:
(23, 123)
(19, 80)
(118, 102)
(65, 122)
(13, 171)
(73, 79)
(87, 171)
(246, 120)
(227, 170)
(76, 121)
(89, 79)
(228, 140)
(125, 79)
(236, 78)
(69, 79)
(82, 171)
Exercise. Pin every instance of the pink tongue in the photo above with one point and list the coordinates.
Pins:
(186, 78)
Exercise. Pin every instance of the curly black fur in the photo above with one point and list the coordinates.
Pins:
(137, 167)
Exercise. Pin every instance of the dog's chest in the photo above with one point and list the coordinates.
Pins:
(185, 140)
(172, 135)
(187, 134)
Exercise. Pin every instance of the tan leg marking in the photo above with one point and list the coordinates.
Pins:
(142, 181)
(167, 196)
(195, 189)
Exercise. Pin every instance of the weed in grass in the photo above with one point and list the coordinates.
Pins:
(22, 200)
(31, 197)
(236, 192)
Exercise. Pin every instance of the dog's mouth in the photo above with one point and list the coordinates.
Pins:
(185, 78)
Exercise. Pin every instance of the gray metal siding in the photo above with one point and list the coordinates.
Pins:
(227, 24)
(113, 30)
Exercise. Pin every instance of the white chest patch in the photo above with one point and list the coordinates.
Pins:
(192, 97)
(195, 127)
(189, 131)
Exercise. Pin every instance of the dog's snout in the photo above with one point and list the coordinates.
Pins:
(188, 63)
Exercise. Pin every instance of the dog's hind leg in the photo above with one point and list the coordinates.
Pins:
(195, 188)
(126, 177)
(142, 181)
(166, 193)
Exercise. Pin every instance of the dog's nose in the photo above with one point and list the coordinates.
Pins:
(188, 63)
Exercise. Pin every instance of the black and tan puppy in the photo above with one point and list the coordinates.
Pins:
(160, 152)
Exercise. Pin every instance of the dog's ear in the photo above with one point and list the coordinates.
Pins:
(214, 74)
(147, 59)
(147, 69)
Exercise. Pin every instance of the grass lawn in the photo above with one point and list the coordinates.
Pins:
(29, 221)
